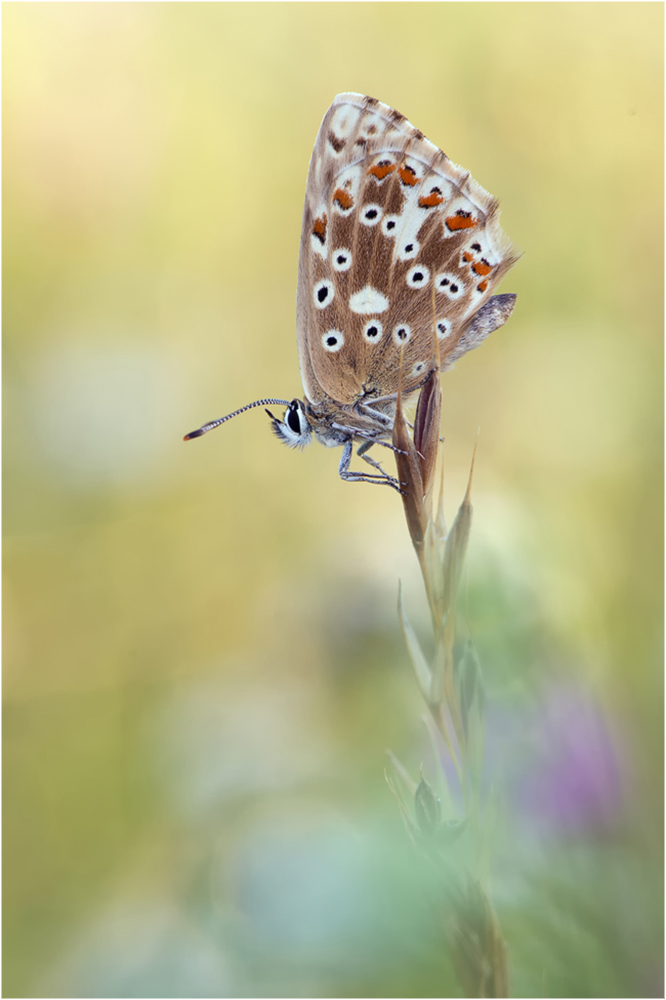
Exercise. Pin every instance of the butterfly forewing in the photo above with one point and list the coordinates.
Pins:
(389, 224)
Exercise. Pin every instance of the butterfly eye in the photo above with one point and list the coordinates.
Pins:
(333, 341)
(323, 294)
(293, 420)
(418, 277)
(401, 333)
(443, 328)
(295, 430)
(373, 331)
(342, 260)
(371, 214)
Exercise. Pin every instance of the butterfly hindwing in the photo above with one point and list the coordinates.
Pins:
(395, 236)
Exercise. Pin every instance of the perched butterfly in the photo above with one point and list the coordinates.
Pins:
(399, 246)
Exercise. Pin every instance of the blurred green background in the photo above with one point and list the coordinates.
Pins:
(202, 663)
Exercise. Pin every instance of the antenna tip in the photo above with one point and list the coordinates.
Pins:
(192, 434)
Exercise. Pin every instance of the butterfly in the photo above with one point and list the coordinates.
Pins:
(400, 252)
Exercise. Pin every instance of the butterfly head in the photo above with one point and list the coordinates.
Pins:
(295, 430)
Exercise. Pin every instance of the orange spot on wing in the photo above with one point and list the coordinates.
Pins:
(343, 198)
(432, 199)
(467, 256)
(408, 175)
(483, 285)
(319, 228)
(464, 221)
(481, 268)
(380, 170)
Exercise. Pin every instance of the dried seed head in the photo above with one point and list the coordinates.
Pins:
(410, 477)
(426, 427)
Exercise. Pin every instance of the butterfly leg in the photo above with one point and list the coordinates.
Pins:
(362, 452)
(381, 418)
(361, 477)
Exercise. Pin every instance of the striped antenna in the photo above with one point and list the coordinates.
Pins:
(223, 420)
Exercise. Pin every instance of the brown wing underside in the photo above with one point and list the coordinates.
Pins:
(396, 241)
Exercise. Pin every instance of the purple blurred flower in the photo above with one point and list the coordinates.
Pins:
(560, 763)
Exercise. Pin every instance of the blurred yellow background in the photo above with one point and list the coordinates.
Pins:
(202, 664)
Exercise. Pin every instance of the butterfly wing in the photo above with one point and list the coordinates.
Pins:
(395, 236)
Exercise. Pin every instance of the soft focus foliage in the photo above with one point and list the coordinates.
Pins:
(203, 662)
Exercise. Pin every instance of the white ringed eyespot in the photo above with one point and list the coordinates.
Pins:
(390, 225)
(450, 284)
(372, 331)
(323, 293)
(333, 340)
(371, 214)
(409, 250)
(342, 259)
(402, 333)
(418, 277)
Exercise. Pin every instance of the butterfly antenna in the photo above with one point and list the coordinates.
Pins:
(216, 423)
